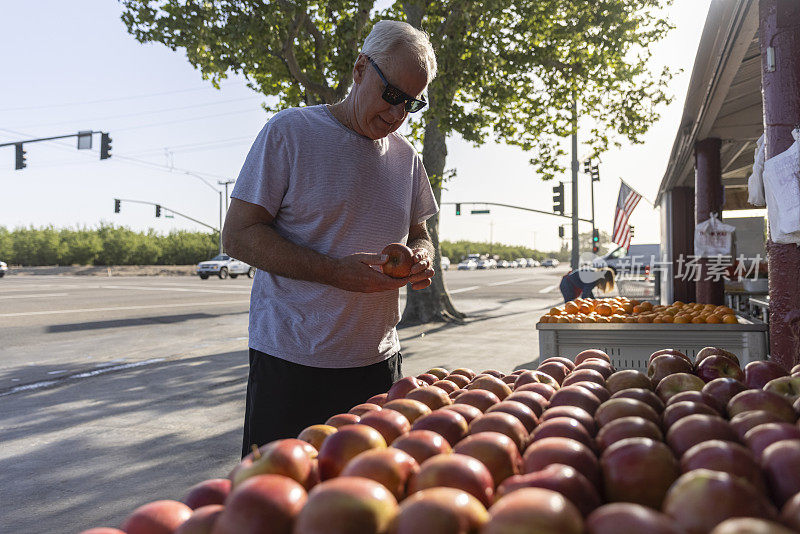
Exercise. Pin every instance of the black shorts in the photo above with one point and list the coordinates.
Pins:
(283, 397)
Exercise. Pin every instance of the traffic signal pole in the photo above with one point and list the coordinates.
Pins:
(159, 207)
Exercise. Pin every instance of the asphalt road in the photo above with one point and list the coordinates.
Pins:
(119, 391)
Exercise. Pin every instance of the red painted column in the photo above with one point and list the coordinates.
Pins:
(708, 199)
(682, 200)
(780, 29)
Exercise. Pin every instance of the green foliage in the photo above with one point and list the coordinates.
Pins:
(458, 250)
(106, 245)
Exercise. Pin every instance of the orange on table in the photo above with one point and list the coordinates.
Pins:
(571, 308)
(714, 319)
(644, 319)
(604, 309)
(562, 319)
(681, 319)
(555, 311)
(646, 306)
(586, 307)
(698, 320)
(730, 319)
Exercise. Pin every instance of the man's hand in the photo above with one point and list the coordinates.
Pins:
(357, 272)
(421, 271)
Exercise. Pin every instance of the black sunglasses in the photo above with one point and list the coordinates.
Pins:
(394, 96)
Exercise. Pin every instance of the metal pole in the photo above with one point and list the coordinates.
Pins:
(221, 205)
(575, 237)
(591, 182)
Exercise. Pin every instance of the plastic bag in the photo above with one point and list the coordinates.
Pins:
(782, 191)
(713, 238)
(755, 183)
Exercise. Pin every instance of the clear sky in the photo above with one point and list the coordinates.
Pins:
(70, 66)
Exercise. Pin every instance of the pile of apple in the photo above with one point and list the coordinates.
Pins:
(693, 446)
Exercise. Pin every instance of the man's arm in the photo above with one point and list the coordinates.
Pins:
(419, 241)
(248, 236)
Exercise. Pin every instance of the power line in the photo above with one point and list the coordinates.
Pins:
(228, 113)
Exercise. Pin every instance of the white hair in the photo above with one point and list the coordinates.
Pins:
(387, 36)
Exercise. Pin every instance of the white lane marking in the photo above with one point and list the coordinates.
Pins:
(56, 372)
(123, 308)
(34, 296)
(187, 290)
(504, 282)
(549, 289)
(454, 291)
(88, 374)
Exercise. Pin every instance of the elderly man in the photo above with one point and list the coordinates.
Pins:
(323, 190)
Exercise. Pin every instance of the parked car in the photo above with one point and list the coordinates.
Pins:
(533, 263)
(468, 265)
(488, 263)
(224, 266)
(502, 264)
(550, 262)
(3, 269)
(522, 262)
(445, 263)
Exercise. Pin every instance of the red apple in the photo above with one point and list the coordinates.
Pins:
(557, 370)
(781, 464)
(641, 394)
(758, 399)
(720, 391)
(292, 458)
(422, 444)
(493, 372)
(525, 415)
(576, 396)
(469, 373)
(470, 413)
(673, 352)
(673, 384)
(316, 434)
(692, 396)
(449, 424)
(665, 365)
(638, 470)
(496, 451)
(379, 399)
(563, 427)
(455, 471)
(503, 423)
(560, 478)
(749, 525)
(565, 451)
(744, 421)
(347, 504)
(492, 384)
(344, 445)
(790, 514)
(710, 351)
(701, 499)
(399, 262)
(727, 457)
(534, 377)
(693, 429)
(341, 419)
(627, 427)
(427, 378)
(579, 414)
(401, 388)
(591, 353)
(786, 386)
(545, 390)
(795, 369)
(430, 396)
(678, 410)
(758, 373)
(718, 366)
(615, 408)
(601, 366)
(480, 398)
(201, 521)
(391, 467)
(440, 510)
(459, 380)
(596, 389)
(510, 380)
(627, 379)
(584, 375)
(102, 530)
(410, 408)
(762, 436)
(439, 372)
(566, 361)
(389, 423)
(626, 517)
(536, 402)
(534, 510)
(446, 385)
(361, 409)
(212, 491)
(274, 500)
(157, 517)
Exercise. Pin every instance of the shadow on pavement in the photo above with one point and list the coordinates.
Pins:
(90, 451)
(137, 321)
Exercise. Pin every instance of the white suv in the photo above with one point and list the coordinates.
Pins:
(224, 266)
(3, 269)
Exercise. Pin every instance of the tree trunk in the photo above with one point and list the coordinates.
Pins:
(432, 303)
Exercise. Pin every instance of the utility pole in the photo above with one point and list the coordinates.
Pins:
(226, 183)
(575, 238)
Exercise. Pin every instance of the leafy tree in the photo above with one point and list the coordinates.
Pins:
(510, 70)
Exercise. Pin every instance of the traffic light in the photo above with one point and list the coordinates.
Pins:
(596, 236)
(458, 209)
(558, 199)
(20, 160)
(116, 205)
(158, 210)
(561, 231)
(105, 146)
(631, 228)
(587, 166)
(595, 173)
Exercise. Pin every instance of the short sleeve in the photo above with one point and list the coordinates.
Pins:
(264, 177)
(424, 203)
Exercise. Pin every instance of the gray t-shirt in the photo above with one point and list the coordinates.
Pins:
(338, 193)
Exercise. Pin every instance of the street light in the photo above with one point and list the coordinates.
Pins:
(221, 204)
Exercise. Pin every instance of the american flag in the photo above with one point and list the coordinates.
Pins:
(628, 199)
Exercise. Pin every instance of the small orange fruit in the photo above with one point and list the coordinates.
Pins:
(604, 309)
(667, 318)
(681, 319)
(645, 319)
(646, 306)
(571, 308)
(562, 319)
(698, 320)
(730, 319)
(555, 311)
(713, 319)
